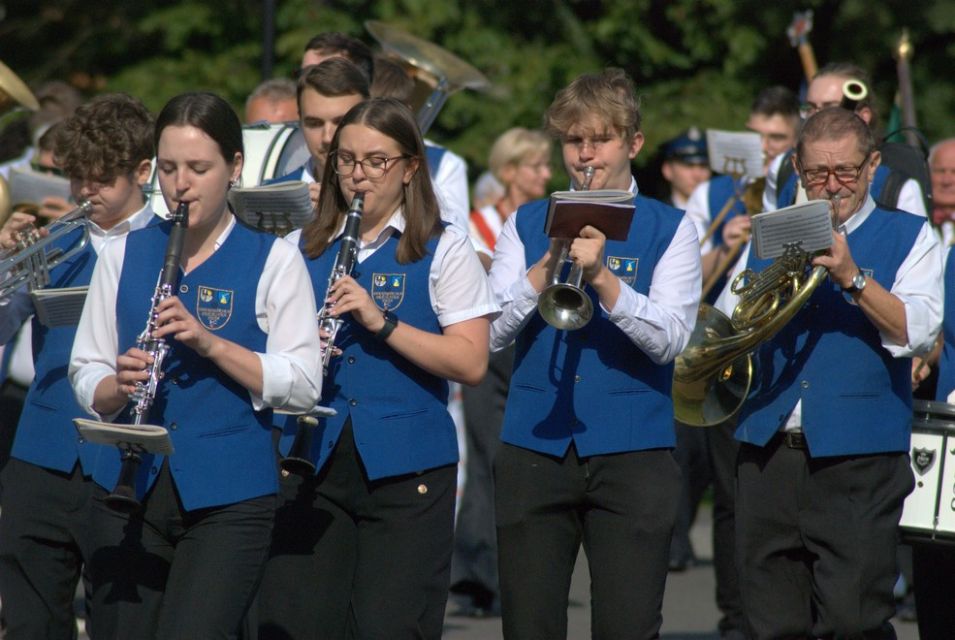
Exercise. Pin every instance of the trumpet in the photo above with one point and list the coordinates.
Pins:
(565, 305)
(298, 460)
(853, 92)
(29, 263)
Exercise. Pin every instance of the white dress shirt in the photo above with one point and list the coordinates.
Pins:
(457, 284)
(698, 212)
(918, 284)
(284, 309)
(451, 188)
(660, 323)
(16, 309)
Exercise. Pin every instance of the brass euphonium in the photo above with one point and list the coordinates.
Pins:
(565, 305)
(713, 374)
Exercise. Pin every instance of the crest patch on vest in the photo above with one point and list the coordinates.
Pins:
(623, 268)
(388, 290)
(214, 307)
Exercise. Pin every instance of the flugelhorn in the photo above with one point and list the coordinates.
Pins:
(28, 264)
(565, 305)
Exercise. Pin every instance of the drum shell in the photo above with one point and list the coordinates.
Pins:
(271, 151)
(929, 511)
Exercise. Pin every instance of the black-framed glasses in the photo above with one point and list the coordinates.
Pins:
(372, 166)
(844, 175)
(50, 171)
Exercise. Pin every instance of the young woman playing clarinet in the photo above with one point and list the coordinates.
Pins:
(240, 329)
(362, 547)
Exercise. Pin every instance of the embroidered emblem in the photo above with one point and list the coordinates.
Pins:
(214, 307)
(388, 290)
(923, 459)
(623, 268)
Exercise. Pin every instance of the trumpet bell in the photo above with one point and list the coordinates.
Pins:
(704, 401)
(565, 307)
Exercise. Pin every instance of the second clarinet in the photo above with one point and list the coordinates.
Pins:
(298, 460)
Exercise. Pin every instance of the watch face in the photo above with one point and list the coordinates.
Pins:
(858, 281)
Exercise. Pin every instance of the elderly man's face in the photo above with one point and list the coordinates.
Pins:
(837, 170)
(943, 176)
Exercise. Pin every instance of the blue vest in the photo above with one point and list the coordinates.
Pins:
(223, 448)
(786, 193)
(946, 363)
(433, 154)
(398, 411)
(592, 386)
(722, 190)
(45, 434)
(292, 176)
(856, 398)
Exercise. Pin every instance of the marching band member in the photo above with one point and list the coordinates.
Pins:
(363, 547)
(241, 332)
(822, 470)
(105, 148)
(588, 425)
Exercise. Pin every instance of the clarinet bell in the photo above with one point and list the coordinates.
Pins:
(298, 459)
(123, 497)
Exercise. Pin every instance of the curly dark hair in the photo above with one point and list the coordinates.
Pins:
(107, 137)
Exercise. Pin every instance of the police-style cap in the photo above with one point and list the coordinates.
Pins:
(688, 147)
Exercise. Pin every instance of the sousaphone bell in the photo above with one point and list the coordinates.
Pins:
(437, 72)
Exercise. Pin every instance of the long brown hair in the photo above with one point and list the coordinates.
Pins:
(419, 205)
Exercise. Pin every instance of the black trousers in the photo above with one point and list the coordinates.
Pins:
(934, 569)
(44, 540)
(621, 507)
(474, 563)
(352, 558)
(816, 541)
(170, 573)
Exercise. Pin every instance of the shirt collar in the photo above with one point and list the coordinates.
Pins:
(633, 186)
(395, 224)
(856, 219)
(136, 221)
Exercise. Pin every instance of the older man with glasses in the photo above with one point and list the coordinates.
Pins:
(823, 470)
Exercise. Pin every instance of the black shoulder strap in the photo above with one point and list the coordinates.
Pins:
(889, 197)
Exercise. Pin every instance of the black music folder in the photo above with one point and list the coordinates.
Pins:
(610, 210)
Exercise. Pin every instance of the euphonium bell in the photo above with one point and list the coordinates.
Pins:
(565, 305)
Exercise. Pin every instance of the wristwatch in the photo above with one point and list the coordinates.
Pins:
(858, 283)
(391, 321)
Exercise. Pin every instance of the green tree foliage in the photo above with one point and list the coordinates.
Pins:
(695, 61)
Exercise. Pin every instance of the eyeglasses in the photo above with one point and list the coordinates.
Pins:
(373, 166)
(50, 171)
(845, 175)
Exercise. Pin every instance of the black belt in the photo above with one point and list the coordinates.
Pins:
(10, 388)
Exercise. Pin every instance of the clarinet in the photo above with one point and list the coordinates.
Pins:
(298, 459)
(123, 497)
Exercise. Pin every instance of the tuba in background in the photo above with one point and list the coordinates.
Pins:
(15, 100)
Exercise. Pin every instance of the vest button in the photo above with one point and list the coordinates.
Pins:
(81, 440)
(353, 402)
(351, 359)
(183, 288)
(154, 470)
(331, 443)
(804, 384)
(577, 378)
(173, 426)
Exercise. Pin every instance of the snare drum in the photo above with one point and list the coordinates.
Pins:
(271, 151)
(929, 511)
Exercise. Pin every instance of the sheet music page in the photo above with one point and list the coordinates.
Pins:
(59, 307)
(286, 199)
(736, 153)
(809, 224)
(152, 438)
(28, 186)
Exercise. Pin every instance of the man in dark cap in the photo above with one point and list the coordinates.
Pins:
(685, 165)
